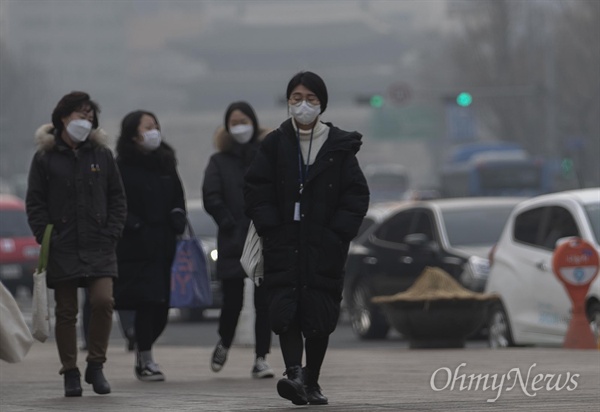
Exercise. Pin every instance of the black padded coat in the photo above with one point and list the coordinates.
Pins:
(223, 199)
(80, 192)
(146, 251)
(304, 260)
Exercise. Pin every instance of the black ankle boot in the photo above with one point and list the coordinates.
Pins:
(312, 388)
(95, 376)
(292, 387)
(72, 383)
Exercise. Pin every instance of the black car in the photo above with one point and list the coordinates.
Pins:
(399, 240)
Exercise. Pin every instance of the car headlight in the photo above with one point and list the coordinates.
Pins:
(476, 272)
(214, 255)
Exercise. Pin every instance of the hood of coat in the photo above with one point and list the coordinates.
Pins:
(224, 142)
(45, 138)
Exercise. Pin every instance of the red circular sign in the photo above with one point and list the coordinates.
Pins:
(576, 263)
(399, 92)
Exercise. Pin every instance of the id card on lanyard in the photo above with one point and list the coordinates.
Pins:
(302, 173)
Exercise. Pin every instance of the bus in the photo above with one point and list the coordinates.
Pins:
(506, 173)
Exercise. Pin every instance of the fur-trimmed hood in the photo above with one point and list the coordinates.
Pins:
(45, 138)
(224, 141)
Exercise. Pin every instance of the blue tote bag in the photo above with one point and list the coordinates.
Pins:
(190, 283)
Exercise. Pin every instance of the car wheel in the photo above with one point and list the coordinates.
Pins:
(367, 320)
(593, 315)
(499, 334)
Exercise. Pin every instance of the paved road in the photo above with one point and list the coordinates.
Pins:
(388, 379)
(357, 376)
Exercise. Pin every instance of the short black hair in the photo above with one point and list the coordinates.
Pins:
(245, 108)
(129, 130)
(312, 82)
(70, 103)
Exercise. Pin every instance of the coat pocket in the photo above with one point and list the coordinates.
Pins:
(332, 255)
(278, 252)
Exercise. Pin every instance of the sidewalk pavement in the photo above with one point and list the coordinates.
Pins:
(353, 380)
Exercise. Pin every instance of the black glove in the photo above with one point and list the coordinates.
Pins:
(178, 220)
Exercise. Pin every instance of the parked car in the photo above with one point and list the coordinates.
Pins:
(205, 230)
(18, 248)
(453, 234)
(534, 307)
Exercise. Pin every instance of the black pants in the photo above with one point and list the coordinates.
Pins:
(150, 322)
(233, 299)
(292, 346)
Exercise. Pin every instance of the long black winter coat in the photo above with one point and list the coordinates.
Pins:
(147, 249)
(304, 261)
(80, 192)
(223, 199)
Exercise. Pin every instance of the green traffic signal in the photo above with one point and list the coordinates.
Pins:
(376, 101)
(567, 166)
(464, 99)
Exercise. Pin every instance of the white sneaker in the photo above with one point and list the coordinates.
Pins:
(150, 372)
(262, 369)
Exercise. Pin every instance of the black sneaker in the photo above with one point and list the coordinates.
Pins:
(219, 357)
(262, 369)
(149, 373)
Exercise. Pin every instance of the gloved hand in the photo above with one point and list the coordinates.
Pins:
(178, 220)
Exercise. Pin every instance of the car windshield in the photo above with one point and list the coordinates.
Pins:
(13, 223)
(202, 222)
(593, 212)
(475, 226)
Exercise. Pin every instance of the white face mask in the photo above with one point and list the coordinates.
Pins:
(151, 139)
(242, 133)
(79, 129)
(304, 112)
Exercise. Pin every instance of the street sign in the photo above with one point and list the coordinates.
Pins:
(460, 123)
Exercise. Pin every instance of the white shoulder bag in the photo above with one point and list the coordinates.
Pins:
(40, 322)
(252, 258)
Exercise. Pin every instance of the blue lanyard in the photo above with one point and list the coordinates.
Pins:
(302, 167)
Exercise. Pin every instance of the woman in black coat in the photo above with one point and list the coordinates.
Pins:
(307, 196)
(155, 216)
(74, 184)
(223, 197)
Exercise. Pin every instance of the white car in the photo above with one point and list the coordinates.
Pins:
(535, 308)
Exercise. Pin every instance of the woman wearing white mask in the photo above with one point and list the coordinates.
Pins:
(307, 196)
(74, 184)
(155, 216)
(223, 198)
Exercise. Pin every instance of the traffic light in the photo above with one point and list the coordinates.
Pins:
(464, 99)
(376, 101)
(566, 166)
